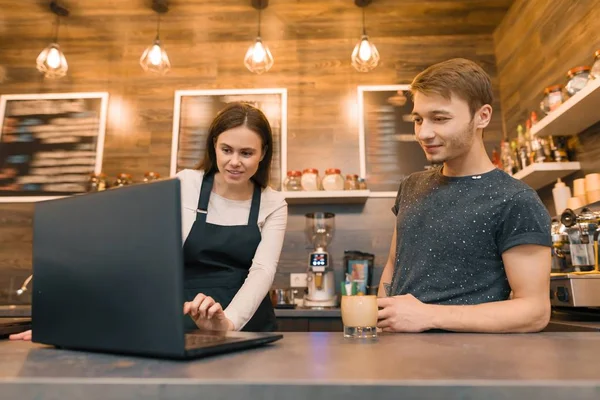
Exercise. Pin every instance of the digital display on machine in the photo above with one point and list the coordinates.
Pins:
(318, 260)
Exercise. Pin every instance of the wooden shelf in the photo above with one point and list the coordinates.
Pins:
(573, 116)
(539, 175)
(327, 197)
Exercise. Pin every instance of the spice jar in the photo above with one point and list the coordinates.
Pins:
(151, 176)
(97, 183)
(310, 179)
(578, 78)
(351, 182)
(595, 72)
(292, 182)
(333, 180)
(362, 184)
(123, 180)
(553, 97)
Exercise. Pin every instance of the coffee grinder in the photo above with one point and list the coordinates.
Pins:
(320, 276)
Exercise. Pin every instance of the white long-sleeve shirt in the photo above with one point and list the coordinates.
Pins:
(272, 221)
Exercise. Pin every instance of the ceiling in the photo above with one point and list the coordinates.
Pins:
(231, 20)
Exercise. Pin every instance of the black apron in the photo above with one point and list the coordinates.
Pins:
(218, 258)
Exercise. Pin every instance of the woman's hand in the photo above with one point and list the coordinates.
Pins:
(207, 314)
(21, 336)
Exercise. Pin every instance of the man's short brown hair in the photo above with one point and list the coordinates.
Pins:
(459, 77)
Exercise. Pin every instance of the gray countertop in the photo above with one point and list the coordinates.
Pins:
(556, 365)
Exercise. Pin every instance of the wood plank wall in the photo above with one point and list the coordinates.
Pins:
(206, 44)
(536, 44)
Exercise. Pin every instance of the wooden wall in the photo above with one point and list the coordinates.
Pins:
(311, 41)
(536, 44)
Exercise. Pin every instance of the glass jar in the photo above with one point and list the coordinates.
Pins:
(333, 180)
(97, 183)
(553, 97)
(151, 176)
(362, 184)
(292, 182)
(596, 67)
(123, 180)
(310, 179)
(351, 182)
(578, 78)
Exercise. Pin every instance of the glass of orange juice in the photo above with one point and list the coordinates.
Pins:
(359, 316)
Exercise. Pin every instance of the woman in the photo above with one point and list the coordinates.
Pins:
(233, 226)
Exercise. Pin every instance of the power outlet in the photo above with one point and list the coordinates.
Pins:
(298, 280)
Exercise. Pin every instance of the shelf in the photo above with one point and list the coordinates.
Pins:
(327, 197)
(538, 175)
(573, 116)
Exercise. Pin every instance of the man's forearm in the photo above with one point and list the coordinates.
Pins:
(516, 315)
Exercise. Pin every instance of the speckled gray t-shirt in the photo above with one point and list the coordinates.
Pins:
(452, 232)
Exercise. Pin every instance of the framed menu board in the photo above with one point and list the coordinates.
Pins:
(194, 110)
(50, 144)
(388, 149)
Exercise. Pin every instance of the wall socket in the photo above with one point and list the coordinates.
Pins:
(298, 280)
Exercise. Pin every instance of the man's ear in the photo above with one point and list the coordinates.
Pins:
(484, 116)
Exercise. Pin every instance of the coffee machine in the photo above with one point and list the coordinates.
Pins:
(320, 277)
(578, 284)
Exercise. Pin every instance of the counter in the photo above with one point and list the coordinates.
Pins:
(322, 366)
(306, 319)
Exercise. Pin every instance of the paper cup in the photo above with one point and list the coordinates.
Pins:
(592, 182)
(579, 187)
(574, 203)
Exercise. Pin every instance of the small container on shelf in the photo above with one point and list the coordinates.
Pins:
(333, 180)
(97, 183)
(292, 182)
(151, 176)
(310, 179)
(351, 182)
(578, 78)
(554, 96)
(123, 179)
(595, 72)
(362, 184)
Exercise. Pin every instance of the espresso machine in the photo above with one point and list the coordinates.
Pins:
(575, 281)
(320, 277)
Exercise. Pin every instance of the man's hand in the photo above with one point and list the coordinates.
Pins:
(403, 314)
(21, 336)
(207, 314)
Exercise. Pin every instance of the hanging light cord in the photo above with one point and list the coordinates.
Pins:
(157, 26)
(259, 13)
(364, 26)
(56, 28)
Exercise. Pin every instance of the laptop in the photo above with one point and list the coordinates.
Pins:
(108, 276)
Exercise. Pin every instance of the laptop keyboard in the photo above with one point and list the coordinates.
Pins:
(195, 340)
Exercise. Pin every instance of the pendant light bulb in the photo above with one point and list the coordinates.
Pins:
(364, 50)
(53, 59)
(52, 62)
(365, 56)
(155, 59)
(155, 55)
(258, 58)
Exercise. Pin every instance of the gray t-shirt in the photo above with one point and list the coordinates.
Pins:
(452, 231)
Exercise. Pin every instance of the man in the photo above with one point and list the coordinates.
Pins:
(467, 234)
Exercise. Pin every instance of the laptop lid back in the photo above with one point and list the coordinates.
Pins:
(108, 271)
